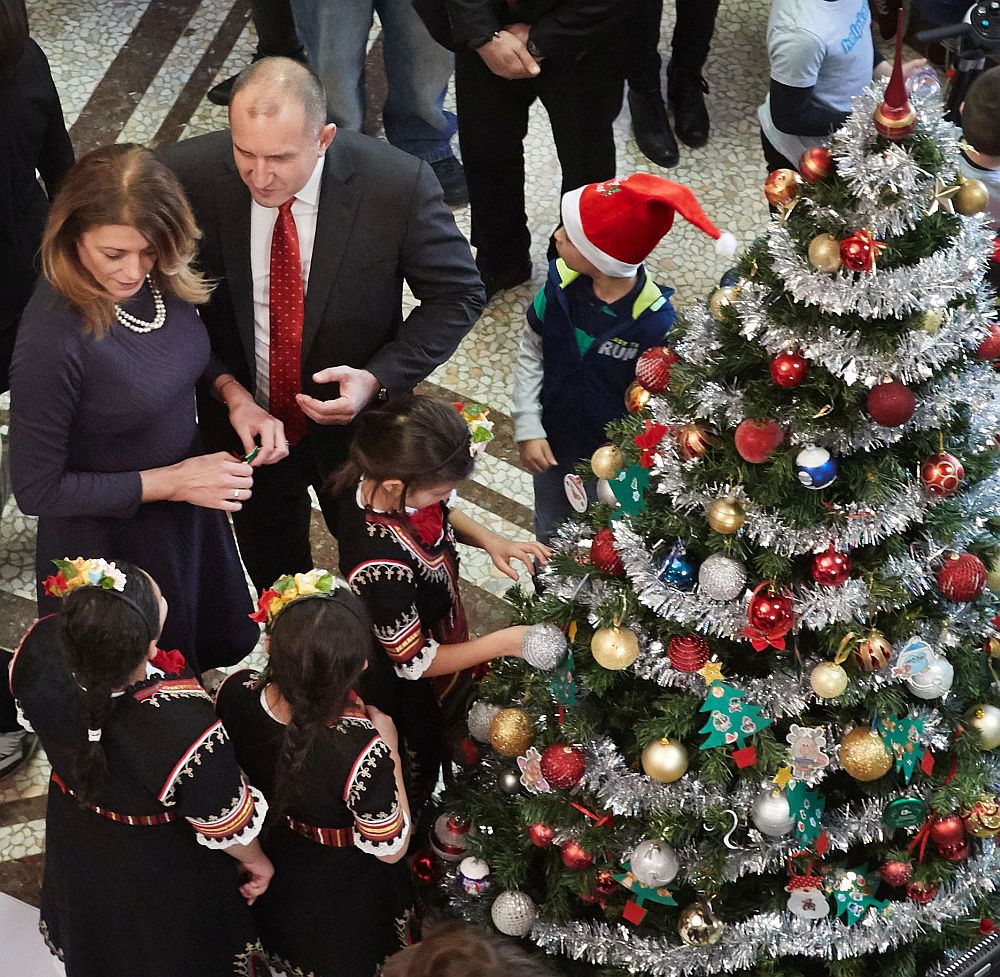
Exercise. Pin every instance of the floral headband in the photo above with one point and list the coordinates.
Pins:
(480, 426)
(292, 587)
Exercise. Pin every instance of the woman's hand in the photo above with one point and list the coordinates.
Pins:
(216, 481)
(257, 875)
(501, 551)
(250, 421)
(384, 726)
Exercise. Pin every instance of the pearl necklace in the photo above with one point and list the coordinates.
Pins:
(140, 325)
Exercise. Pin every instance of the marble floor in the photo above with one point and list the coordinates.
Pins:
(138, 70)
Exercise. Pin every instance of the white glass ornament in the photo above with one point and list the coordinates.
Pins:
(473, 876)
(771, 813)
(654, 863)
(606, 494)
(933, 681)
(513, 913)
(924, 83)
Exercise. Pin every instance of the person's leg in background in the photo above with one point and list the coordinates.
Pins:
(418, 70)
(686, 87)
(16, 744)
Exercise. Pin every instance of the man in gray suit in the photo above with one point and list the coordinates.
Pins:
(354, 218)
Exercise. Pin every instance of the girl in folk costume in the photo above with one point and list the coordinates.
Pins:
(330, 768)
(397, 539)
(148, 812)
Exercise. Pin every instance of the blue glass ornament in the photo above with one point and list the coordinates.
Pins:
(730, 277)
(816, 467)
(677, 570)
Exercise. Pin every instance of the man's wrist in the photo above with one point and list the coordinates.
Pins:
(480, 42)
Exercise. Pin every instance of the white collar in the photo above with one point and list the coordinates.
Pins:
(309, 194)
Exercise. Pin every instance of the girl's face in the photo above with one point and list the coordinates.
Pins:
(430, 494)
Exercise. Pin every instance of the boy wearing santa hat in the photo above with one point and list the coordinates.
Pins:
(596, 314)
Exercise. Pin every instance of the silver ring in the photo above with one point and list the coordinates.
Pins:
(236, 495)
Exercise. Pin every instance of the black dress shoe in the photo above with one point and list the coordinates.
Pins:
(651, 127)
(686, 92)
(499, 281)
(451, 176)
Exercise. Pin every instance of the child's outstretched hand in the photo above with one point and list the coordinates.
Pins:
(501, 551)
(536, 455)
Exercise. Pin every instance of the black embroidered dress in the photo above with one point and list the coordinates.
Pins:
(333, 909)
(138, 884)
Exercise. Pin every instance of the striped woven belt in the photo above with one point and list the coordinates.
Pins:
(331, 837)
(134, 820)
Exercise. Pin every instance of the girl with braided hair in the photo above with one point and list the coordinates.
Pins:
(147, 806)
(339, 821)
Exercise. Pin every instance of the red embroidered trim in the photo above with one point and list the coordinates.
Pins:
(331, 837)
(133, 820)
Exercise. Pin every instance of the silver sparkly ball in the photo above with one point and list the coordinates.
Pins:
(654, 863)
(721, 577)
(513, 913)
(509, 782)
(771, 814)
(543, 646)
(480, 716)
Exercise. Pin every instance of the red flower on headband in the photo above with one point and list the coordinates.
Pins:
(169, 662)
(260, 615)
(55, 586)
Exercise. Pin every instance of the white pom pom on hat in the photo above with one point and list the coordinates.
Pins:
(617, 223)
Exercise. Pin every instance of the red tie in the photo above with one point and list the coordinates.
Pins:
(287, 310)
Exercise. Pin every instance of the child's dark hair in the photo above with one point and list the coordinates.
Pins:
(981, 113)
(105, 636)
(317, 652)
(419, 440)
(455, 949)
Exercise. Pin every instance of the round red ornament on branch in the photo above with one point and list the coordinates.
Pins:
(961, 577)
(770, 612)
(605, 884)
(652, 369)
(831, 568)
(563, 765)
(687, 653)
(789, 369)
(859, 251)
(756, 438)
(541, 835)
(816, 164)
(891, 403)
(781, 187)
(574, 856)
(947, 830)
(603, 554)
(921, 892)
(426, 867)
(896, 873)
(989, 348)
(942, 474)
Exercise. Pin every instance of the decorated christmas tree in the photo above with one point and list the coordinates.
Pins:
(757, 723)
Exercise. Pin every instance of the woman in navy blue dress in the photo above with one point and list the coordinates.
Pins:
(104, 441)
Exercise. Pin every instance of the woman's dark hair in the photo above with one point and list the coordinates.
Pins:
(13, 36)
(317, 652)
(104, 639)
(418, 440)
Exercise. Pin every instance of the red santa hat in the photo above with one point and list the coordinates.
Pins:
(617, 223)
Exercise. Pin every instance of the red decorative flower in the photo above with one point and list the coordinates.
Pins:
(169, 662)
(260, 615)
(55, 586)
(986, 926)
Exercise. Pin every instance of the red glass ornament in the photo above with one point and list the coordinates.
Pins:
(891, 404)
(574, 856)
(563, 765)
(687, 653)
(694, 440)
(947, 830)
(652, 369)
(770, 613)
(961, 577)
(954, 853)
(541, 835)
(859, 251)
(942, 474)
(781, 187)
(895, 117)
(921, 892)
(465, 751)
(896, 873)
(756, 438)
(603, 554)
(989, 348)
(605, 884)
(831, 568)
(789, 369)
(816, 164)
(426, 868)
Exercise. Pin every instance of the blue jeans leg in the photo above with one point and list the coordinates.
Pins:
(418, 70)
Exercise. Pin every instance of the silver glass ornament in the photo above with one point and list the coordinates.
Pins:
(771, 814)
(654, 863)
(513, 913)
(721, 577)
(543, 646)
(480, 716)
(509, 782)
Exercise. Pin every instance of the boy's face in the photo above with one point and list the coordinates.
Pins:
(569, 253)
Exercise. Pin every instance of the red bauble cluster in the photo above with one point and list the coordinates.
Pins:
(921, 892)
(859, 251)
(687, 653)
(603, 554)
(942, 474)
(574, 856)
(831, 568)
(816, 164)
(756, 438)
(948, 835)
(652, 369)
(541, 835)
(605, 884)
(563, 765)
(427, 868)
(961, 577)
(465, 751)
(896, 874)
(989, 348)
(789, 369)
(891, 403)
(770, 613)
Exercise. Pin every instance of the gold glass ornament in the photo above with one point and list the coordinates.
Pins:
(694, 440)
(931, 320)
(511, 732)
(824, 253)
(725, 516)
(993, 576)
(636, 397)
(982, 819)
(607, 461)
(828, 680)
(985, 720)
(699, 926)
(972, 198)
(863, 754)
(614, 648)
(719, 299)
(873, 652)
(665, 760)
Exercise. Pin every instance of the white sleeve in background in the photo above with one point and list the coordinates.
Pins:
(528, 374)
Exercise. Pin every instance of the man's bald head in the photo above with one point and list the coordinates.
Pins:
(272, 86)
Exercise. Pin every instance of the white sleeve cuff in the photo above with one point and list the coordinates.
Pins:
(380, 849)
(419, 663)
(245, 835)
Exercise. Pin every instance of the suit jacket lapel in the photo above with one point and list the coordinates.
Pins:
(233, 207)
(338, 204)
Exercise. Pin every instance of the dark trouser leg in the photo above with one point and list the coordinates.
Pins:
(8, 712)
(492, 124)
(275, 28)
(693, 31)
(272, 528)
(642, 57)
(773, 158)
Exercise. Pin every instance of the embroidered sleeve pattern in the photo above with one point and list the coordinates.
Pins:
(191, 759)
(380, 826)
(237, 824)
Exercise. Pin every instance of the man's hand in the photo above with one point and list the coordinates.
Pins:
(506, 55)
(536, 455)
(357, 388)
(250, 421)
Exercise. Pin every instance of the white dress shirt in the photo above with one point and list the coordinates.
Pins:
(305, 210)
